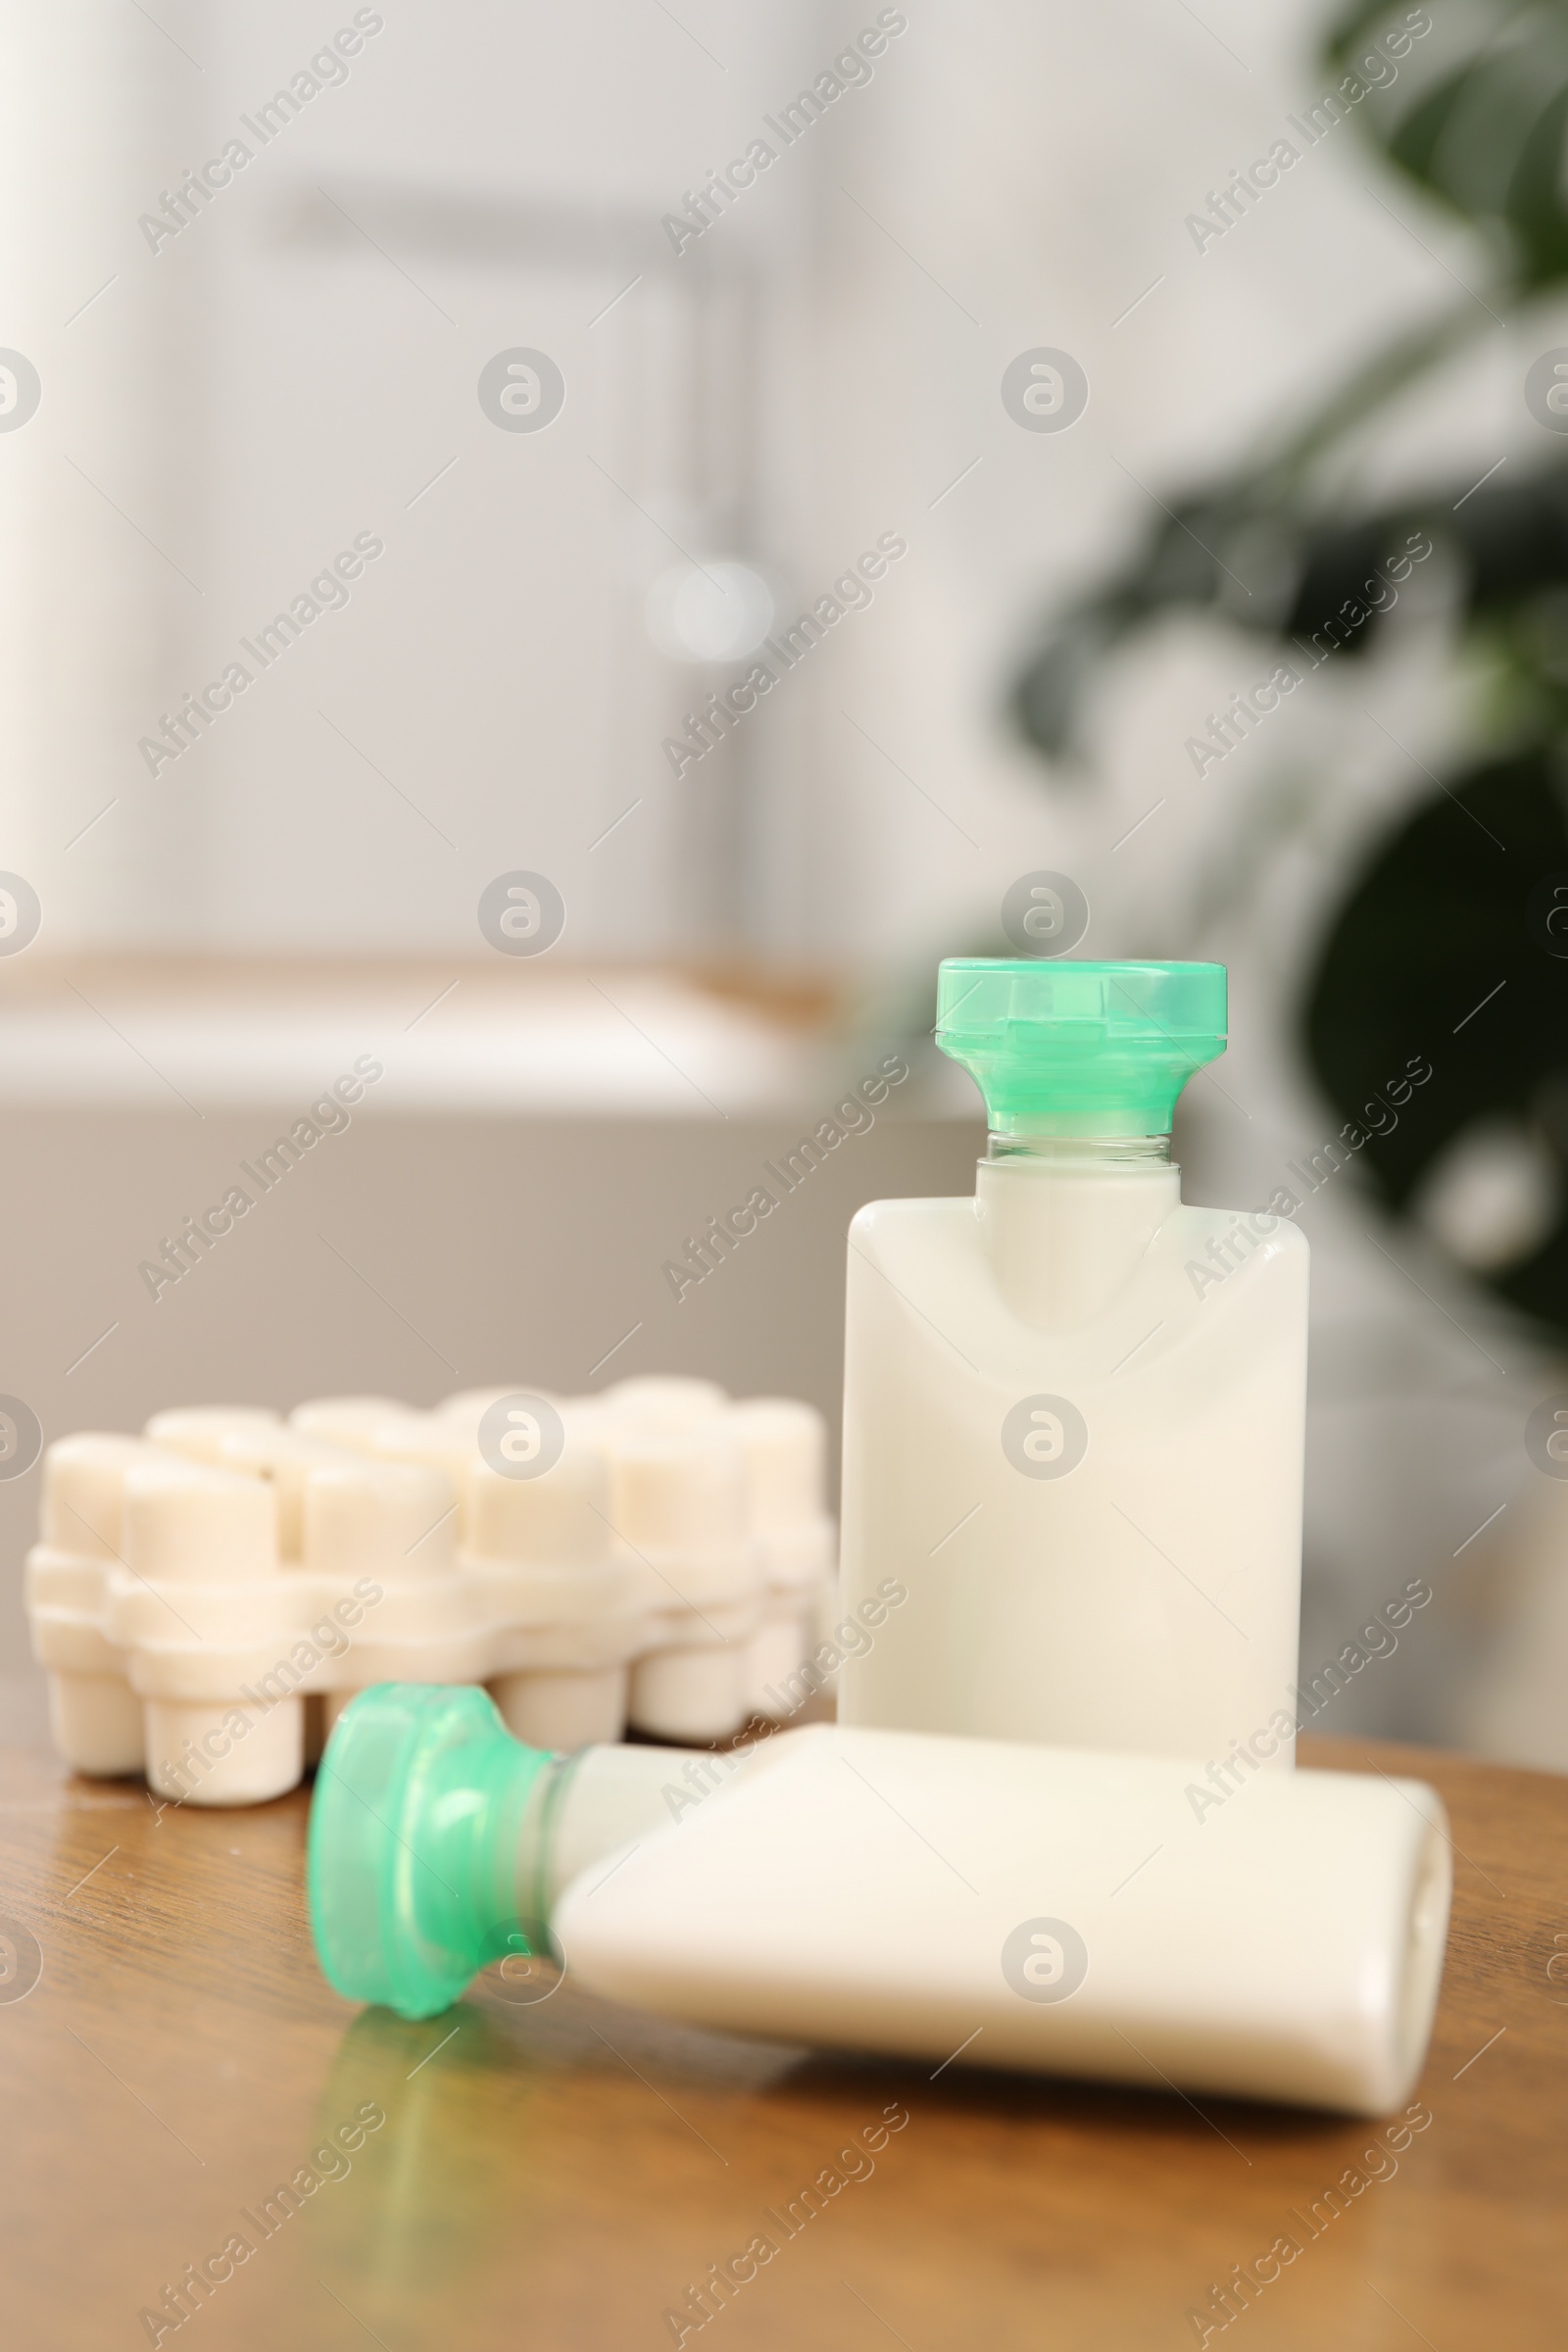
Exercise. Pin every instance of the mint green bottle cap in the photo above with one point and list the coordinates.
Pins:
(1059, 1048)
(415, 1829)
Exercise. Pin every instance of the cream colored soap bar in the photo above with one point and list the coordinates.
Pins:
(207, 1598)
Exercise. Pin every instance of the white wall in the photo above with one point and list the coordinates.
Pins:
(818, 369)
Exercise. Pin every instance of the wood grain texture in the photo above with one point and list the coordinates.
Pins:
(553, 2175)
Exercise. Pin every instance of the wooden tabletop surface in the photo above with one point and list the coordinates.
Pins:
(558, 2172)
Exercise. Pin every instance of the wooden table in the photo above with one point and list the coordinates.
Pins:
(557, 2173)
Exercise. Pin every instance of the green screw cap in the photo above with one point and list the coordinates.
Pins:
(1059, 1048)
(414, 1831)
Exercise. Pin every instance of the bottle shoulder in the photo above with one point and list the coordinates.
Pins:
(1208, 1278)
(1284, 1238)
(898, 1222)
(895, 1218)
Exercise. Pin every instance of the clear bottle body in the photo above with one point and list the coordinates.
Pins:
(1074, 1414)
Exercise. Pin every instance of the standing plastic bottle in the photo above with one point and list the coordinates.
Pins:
(1074, 1408)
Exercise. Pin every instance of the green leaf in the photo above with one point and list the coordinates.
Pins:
(1484, 134)
(1432, 958)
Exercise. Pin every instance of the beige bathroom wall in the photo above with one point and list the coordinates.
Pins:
(414, 1255)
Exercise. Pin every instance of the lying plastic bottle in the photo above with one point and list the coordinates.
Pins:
(1065, 1912)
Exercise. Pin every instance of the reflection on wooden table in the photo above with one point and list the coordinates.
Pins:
(193, 2126)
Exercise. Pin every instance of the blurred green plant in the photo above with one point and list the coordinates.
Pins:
(1455, 905)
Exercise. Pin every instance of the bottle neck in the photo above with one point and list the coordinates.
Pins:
(1082, 1151)
(587, 1805)
(1067, 1220)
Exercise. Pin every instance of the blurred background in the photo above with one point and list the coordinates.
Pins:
(1140, 349)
